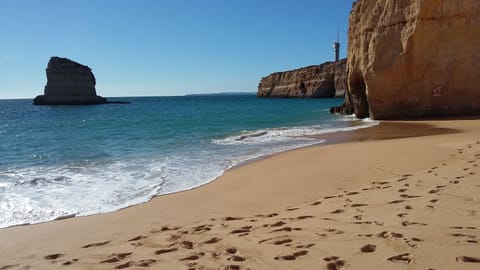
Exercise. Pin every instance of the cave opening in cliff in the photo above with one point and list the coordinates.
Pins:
(358, 91)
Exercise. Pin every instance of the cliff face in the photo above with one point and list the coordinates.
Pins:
(68, 83)
(413, 58)
(320, 81)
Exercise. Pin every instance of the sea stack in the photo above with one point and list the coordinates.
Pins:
(413, 58)
(69, 83)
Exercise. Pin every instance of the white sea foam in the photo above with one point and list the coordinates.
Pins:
(288, 134)
(94, 188)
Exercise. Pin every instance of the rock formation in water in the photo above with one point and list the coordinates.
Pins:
(413, 58)
(321, 81)
(69, 83)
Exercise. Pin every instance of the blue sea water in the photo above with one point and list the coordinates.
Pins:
(61, 160)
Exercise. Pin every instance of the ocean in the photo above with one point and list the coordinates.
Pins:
(81, 160)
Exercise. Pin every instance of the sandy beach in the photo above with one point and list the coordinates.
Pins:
(402, 195)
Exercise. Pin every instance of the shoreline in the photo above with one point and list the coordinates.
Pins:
(323, 139)
(320, 141)
(262, 187)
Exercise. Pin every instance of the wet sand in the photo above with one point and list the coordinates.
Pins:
(402, 195)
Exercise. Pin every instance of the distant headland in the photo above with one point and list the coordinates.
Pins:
(327, 80)
(69, 83)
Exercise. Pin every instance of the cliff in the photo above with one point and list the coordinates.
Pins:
(320, 81)
(413, 58)
(68, 83)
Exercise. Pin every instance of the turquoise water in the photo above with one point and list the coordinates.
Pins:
(60, 160)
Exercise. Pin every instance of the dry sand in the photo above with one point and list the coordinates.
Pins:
(398, 203)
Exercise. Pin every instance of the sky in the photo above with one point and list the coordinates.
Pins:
(166, 47)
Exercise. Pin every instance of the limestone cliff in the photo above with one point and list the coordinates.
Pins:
(320, 81)
(413, 58)
(68, 83)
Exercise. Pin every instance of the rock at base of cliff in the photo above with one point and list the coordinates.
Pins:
(69, 100)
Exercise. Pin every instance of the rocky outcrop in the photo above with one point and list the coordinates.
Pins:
(69, 83)
(413, 58)
(320, 81)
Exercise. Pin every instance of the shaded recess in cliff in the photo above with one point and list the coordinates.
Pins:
(320, 81)
(413, 58)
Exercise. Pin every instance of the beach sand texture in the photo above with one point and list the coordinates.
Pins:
(397, 203)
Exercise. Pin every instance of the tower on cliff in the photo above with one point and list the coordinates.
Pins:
(336, 47)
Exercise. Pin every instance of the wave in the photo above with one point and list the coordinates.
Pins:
(285, 134)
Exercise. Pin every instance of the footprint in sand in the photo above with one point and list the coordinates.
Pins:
(368, 248)
(213, 240)
(286, 229)
(396, 201)
(142, 263)
(167, 250)
(416, 239)
(408, 223)
(334, 262)
(280, 240)
(237, 258)
(291, 257)
(65, 263)
(231, 250)
(136, 238)
(301, 217)
(405, 258)
(201, 229)
(362, 222)
(124, 265)
(232, 218)
(305, 246)
(463, 235)
(116, 257)
(53, 256)
(268, 215)
(358, 205)
(193, 257)
(187, 244)
(276, 224)
(335, 231)
(468, 259)
(6, 267)
(380, 183)
(145, 263)
(98, 244)
(245, 230)
(389, 235)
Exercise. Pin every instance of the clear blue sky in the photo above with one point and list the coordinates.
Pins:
(166, 47)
